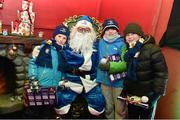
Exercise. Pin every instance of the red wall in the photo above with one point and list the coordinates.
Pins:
(169, 105)
(49, 14)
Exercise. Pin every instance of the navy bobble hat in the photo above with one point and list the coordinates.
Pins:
(133, 28)
(61, 29)
(110, 23)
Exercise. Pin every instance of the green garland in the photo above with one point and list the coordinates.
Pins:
(71, 21)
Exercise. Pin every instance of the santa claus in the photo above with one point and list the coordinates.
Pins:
(80, 65)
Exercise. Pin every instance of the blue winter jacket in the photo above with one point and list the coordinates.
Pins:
(108, 49)
(46, 76)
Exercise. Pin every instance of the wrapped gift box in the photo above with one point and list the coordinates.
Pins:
(43, 96)
(116, 76)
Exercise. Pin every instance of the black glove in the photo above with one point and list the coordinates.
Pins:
(104, 67)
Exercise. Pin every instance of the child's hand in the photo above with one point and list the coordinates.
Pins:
(104, 64)
(36, 51)
(104, 67)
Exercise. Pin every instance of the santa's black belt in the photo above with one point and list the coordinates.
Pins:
(78, 72)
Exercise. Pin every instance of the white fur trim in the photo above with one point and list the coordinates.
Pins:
(94, 50)
(84, 23)
(94, 112)
(88, 84)
(87, 61)
(108, 26)
(63, 110)
(78, 88)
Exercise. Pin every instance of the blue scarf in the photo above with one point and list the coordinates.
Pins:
(44, 58)
(132, 61)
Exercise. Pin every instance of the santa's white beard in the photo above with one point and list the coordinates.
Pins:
(82, 42)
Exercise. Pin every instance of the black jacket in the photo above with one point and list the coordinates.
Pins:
(151, 71)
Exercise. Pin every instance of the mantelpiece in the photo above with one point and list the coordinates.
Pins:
(27, 42)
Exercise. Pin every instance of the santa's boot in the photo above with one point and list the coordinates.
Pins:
(101, 116)
(63, 117)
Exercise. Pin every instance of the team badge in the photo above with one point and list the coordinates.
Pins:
(63, 30)
(47, 51)
(110, 22)
(49, 42)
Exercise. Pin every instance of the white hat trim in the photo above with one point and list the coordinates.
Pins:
(81, 24)
(110, 26)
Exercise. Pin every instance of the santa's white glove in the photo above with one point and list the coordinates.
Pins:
(70, 85)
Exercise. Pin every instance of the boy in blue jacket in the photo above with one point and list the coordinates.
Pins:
(112, 69)
(45, 67)
(45, 63)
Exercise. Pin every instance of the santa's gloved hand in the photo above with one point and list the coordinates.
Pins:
(62, 85)
(104, 66)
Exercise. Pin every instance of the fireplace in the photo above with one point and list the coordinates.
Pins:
(15, 53)
(7, 76)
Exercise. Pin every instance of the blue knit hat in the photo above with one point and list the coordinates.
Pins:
(110, 23)
(61, 29)
(87, 18)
